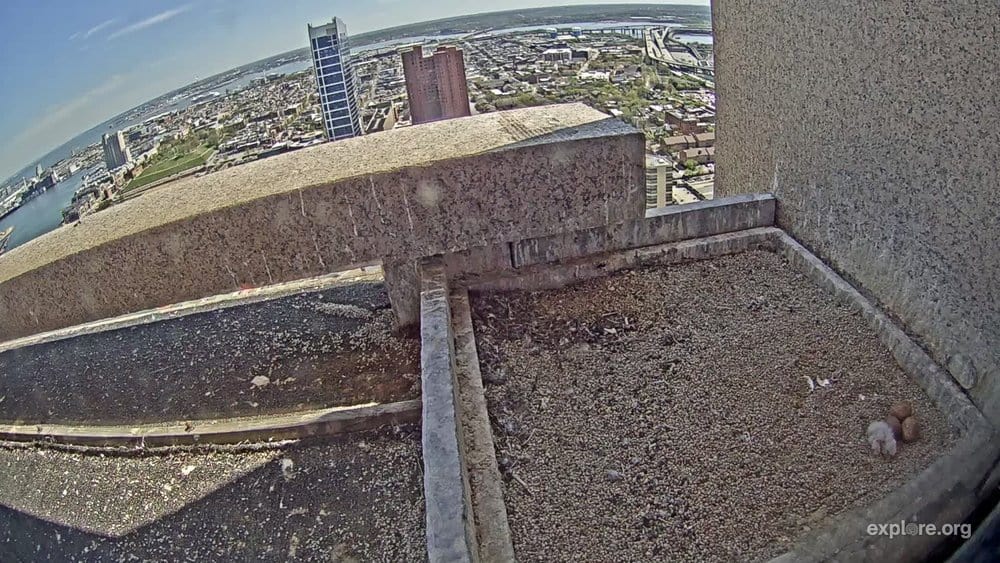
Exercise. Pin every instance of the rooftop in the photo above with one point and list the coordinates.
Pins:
(665, 369)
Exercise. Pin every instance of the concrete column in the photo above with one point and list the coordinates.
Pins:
(402, 281)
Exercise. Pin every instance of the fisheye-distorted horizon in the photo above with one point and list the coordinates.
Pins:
(71, 65)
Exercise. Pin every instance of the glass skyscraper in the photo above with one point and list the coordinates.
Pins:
(334, 66)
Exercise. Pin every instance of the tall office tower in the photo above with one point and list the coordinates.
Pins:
(436, 85)
(116, 152)
(334, 66)
(38, 170)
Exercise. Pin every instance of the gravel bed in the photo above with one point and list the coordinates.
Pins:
(328, 348)
(355, 498)
(665, 413)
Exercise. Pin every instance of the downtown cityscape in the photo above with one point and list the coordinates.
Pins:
(654, 72)
(467, 281)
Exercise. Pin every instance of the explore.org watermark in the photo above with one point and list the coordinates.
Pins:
(904, 528)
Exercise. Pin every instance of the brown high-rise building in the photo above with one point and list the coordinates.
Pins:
(436, 85)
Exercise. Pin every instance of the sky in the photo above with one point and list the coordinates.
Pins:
(67, 65)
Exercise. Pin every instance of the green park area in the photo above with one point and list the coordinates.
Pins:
(170, 164)
(650, 86)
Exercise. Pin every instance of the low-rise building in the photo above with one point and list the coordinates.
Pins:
(564, 55)
(699, 155)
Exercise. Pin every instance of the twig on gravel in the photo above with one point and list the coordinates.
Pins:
(521, 482)
(528, 439)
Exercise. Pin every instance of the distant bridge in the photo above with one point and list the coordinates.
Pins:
(663, 47)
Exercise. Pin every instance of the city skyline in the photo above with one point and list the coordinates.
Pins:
(116, 55)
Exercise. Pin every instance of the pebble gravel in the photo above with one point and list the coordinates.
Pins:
(321, 349)
(711, 411)
(355, 498)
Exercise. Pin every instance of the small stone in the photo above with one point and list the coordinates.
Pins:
(496, 376)
(510, 426)
(287, 468)
(901, 410)
(896, 425)
(505, 463)
(911, 429)
(260, 381)
(614, 476)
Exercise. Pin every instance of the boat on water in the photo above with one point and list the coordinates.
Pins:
(5, 238)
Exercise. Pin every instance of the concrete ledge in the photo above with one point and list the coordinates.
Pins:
(392, 197)
(946, 492)
(451, 532)
(492, 527)
(559, 274)
(662, 225)
(213, 303)
(321, 422)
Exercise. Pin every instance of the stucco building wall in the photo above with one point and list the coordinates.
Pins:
(877, 127)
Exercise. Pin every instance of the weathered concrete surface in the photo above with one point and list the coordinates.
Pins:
(397, 195)
(559, 274)
(451, 534)
(961, 413)
(262, 429)
(946, 492)
(874, 127)
(660, 226)
(984, 542)
(479, 260)
(402, 280)
(492, 527)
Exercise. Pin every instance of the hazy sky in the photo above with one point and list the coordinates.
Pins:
(68, 65)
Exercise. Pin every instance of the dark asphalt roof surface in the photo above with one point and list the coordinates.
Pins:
(355, 498)
(327, 348)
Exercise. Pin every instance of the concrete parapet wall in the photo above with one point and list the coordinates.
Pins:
(451, 534)
(661, 225)
(559, 274)
(394, 196)
(492, 527)
(871, 125)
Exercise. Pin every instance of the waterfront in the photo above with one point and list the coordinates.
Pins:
(42, 214)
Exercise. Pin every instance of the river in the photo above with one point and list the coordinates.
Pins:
(43, 213)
